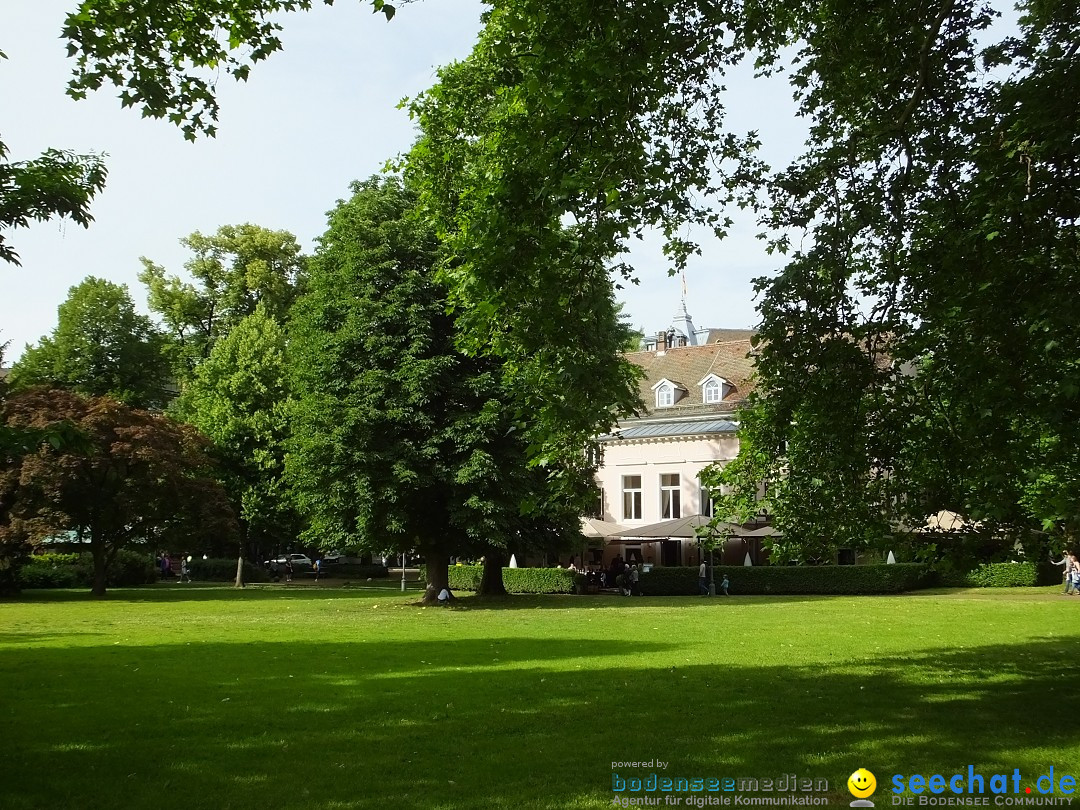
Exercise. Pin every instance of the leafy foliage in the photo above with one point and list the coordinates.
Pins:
(515, 580)
(100, 347)
(216, 569)
(239, 399)
(166, 57)
(235, 270)
(401, 440)
(143, 478)
(55, 184)
(793, 579)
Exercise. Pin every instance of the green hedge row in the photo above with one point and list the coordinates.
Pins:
(220, 569)
(802, 579)
(77, 570)
(353, 570)
(516, 580)
(1002, 575)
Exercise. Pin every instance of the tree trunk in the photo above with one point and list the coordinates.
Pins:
(240, 571)
(438, 576)
(100, 572)
(492, 582)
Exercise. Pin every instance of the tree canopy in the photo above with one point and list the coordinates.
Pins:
(141, 477)
(234, 270)
(918, 339)
(100, 347)
(401, 441)
(239, 398)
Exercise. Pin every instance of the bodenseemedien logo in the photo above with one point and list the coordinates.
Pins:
(862, 785)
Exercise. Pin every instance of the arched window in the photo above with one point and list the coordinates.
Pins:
(665, 396)
(713, 392)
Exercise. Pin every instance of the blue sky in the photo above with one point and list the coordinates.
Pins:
(311, 119)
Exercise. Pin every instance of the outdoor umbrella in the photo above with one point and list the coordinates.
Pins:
(680, 527)
(764, 531)
(593, 527)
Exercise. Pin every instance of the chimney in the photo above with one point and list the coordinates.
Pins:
(661, 342)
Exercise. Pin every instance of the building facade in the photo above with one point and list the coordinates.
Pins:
(652, 461)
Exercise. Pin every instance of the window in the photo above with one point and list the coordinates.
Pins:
(631, 497)
(670, 507)
(598, 506)
(713, 392)
(706, 502)
(665, 396)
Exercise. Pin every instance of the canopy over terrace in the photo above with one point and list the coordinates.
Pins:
(665, 541)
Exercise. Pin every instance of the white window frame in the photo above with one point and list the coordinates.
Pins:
(670, 496)
(705, 504)
(714, 392)
(714, 382)
(631, 497)
(665, 396)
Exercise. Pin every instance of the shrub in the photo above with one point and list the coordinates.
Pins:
(38, 575)
(128, 568)
(219, 569)
(800, 579)
(52, 570)
(355, 570)
(1002, 575)
(516, 580)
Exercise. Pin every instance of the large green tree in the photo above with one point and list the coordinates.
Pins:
(239, 398)
(101, 347)
(140, 477)
(401, 441)
(233, 271)
(930, 225)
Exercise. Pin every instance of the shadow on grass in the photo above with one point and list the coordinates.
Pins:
(503, 722)
(217, 592)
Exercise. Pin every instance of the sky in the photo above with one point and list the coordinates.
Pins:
(311, 119)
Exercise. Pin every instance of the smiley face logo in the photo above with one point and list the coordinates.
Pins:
(861, 783)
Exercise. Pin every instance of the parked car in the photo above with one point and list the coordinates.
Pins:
(296, 559)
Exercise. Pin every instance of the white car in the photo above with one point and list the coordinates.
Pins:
(295, 559)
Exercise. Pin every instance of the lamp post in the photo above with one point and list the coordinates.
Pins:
(403, 572)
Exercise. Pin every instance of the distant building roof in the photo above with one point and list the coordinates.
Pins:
(648, 430)
(687, 366)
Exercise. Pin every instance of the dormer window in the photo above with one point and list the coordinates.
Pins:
(714, 388)
(668, 393)
(712, 391)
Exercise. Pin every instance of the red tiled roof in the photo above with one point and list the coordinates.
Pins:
(687, 366)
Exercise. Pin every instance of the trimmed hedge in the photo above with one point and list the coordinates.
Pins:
(354, 570)
(219, 569)
(1002, 575)
(516, 580)
(793, 580)
(77, 570)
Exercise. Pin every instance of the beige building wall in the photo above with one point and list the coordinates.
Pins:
(650, 459)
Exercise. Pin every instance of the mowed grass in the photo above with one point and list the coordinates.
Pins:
(322, 697)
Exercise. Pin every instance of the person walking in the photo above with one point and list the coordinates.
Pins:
(703, 586)
(318, 568)
(288, 570)
(635, 578)
(1066, 563)
(725, 583)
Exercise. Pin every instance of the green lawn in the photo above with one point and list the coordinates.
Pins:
(321, 697)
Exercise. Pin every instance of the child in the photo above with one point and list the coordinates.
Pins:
(724, 583)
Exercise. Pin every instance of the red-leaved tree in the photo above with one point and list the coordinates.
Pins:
(137, 476)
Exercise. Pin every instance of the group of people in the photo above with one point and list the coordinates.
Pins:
(703, 582)
(164, 563)
(1070, 576)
